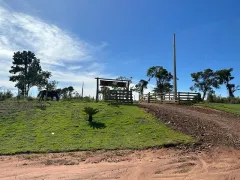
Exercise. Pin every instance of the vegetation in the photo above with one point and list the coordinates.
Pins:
(27, 72)
(141, 86)
(163, 78)
(4, 95)
(224, 76)
(90, 112)
(204, 81)
(61, 126)
(212, 98)
(232, 108)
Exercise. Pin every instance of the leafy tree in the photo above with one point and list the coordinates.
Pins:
(163, 78)
(104, 91)
(70, 90)
(121, 78)
(64, 92)
(51, 85)
(224, 77)
(142, 84)
(204, 81)
(27, 71)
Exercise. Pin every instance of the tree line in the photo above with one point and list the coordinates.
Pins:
(27, 72)
(204, 81)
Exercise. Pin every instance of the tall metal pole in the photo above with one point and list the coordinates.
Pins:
(174, 67)
(82, 88)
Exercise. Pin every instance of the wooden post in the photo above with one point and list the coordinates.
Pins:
(188, 96)
(131, 97)
(97, 92)
(155, 97)
(149, 97)
(169, 97)
(179, 99)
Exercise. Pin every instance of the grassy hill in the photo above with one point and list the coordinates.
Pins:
(63, 126)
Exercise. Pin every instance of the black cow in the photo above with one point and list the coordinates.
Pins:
(51, 94)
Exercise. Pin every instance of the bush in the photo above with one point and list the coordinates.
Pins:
(210, 97)
(219, 99)
(5, 95)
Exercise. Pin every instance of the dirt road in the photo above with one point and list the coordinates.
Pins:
(207, 125)
(164, 164)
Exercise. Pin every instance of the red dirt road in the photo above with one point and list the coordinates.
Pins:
(164, 164)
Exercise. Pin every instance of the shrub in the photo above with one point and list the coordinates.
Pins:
(5, 95)
(90, 112)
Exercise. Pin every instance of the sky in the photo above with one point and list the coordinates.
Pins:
(78, 40)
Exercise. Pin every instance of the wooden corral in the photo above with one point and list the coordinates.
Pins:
(119, 96)
(181, 97)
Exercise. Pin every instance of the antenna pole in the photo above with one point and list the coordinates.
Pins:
(174, 67)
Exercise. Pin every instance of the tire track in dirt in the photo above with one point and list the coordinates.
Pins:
(208, 126)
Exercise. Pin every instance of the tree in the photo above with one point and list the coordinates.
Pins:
(122, 78)
(70, 90)
(142, 84)
(51, 85)
(64, 92)
(224, 76)
(204, 81)
(104, 91)
(163, 78)
(27, 71)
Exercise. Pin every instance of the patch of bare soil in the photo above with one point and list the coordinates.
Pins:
(164, 164)
(210, 127)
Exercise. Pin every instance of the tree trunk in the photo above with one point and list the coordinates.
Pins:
(90, 118)
(230, 90)
(204, 94)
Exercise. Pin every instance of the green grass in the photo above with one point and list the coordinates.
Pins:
(27, 129)
(232, 108)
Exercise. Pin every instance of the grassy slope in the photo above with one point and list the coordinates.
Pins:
(232, 108)
(126, 127)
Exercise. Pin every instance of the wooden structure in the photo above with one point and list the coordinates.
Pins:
(121, 96)
(182, 97)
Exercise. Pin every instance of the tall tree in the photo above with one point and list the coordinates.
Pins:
(204, 81)
(163, 78)
(224, 77)
(70, 90)
(140, 86)
(27, 71)
(122, 78)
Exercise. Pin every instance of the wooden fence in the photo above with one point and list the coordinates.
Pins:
(170, 97)
(119, 96)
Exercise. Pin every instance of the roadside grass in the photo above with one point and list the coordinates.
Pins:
(232, 108)
(62, 126)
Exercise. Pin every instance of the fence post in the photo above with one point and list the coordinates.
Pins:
(149, 97)
(179, 99)
(155, 97)
(169, 97)
(188, 96)
(131, 97)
